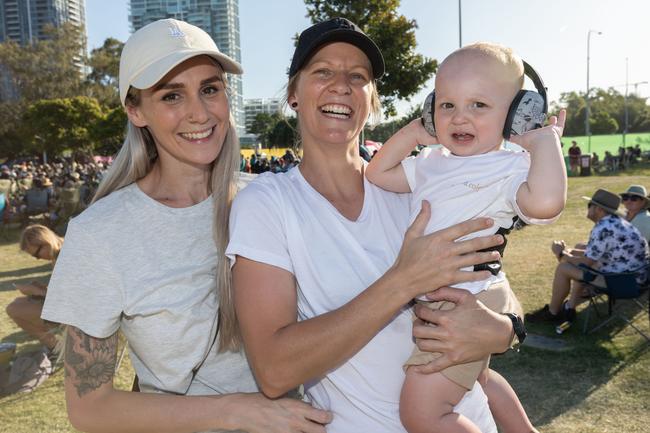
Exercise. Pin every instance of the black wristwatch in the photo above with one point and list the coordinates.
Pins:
(517, 326)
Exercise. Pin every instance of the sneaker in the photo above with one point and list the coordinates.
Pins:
(543, 315)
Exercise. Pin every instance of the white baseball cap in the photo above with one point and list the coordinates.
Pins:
(154, 50)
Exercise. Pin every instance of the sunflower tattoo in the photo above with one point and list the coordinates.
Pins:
(89, 361)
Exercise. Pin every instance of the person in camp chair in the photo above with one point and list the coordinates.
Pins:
(614, 245)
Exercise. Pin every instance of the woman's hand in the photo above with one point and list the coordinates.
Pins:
(468, 332)
(426, 263)
(255, 413)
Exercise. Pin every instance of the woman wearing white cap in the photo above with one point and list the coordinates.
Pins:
(323, 274)
(145, 258)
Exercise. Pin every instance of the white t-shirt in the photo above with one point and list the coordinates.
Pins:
(279, 219)
(460, 188)
(134, 264)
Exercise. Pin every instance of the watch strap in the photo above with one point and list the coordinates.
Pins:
(517, 326)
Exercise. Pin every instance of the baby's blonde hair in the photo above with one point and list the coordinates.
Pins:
(502, 54)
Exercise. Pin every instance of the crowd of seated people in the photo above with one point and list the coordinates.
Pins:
(49, 193)
(620, 160)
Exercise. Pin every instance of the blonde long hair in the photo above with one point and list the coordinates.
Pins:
(39, 235)
(135, 160)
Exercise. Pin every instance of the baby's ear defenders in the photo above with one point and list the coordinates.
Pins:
(527, 111)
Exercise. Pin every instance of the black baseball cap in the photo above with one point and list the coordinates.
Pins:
(335, 30)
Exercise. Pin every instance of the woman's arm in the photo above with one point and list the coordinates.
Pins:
(95, 406)
(285, 353)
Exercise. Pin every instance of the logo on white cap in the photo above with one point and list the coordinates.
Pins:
(175, 31)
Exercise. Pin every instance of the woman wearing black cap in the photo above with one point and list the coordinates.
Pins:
(323, 272)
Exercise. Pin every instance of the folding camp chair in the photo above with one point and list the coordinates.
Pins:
(621, 287)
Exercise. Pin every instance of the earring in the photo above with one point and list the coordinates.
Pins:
(294, 105)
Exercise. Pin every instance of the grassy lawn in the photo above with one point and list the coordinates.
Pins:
(600, 384)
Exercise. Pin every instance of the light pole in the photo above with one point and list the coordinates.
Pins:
(636, 85)
(625, 102)
(587, 131)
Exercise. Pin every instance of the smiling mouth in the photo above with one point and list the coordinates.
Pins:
(337, 111)
(198, 135)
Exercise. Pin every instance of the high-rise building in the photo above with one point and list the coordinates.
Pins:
(23, 21)
(253, 107)
(219, 18)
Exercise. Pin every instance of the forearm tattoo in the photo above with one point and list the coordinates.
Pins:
(89, 361)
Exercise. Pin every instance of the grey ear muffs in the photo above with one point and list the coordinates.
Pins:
(527, 110)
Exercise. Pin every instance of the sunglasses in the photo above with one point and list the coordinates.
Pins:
(37, 253)
(631, 197)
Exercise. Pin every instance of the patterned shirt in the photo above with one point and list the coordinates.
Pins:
(616, 245)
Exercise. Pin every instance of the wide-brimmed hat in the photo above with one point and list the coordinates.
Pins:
(637, 190)
(155, 49)
(335, 30)
(608, 201)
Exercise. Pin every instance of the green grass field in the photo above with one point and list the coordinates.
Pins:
(601, 143)
(598, 385)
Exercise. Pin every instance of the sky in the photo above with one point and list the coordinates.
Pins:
(550, 35)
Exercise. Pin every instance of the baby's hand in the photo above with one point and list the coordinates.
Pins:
(546, 136)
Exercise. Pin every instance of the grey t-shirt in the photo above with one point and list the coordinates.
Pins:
(134, 264)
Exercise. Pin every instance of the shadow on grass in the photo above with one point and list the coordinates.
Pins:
(17, 337)
(550, 384)
(15, 277)
(10, 236)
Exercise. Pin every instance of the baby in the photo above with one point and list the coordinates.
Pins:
(472, 176)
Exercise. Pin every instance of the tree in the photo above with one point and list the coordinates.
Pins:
(385, 130)
(575, 112)
(54, 125)
(104, 65)
(11, 142)
(45, 69)
(284, 132)
(109, 131)
(602, 123)
(49, 68)
(262, 126)
(406, 71)
(607, 112)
